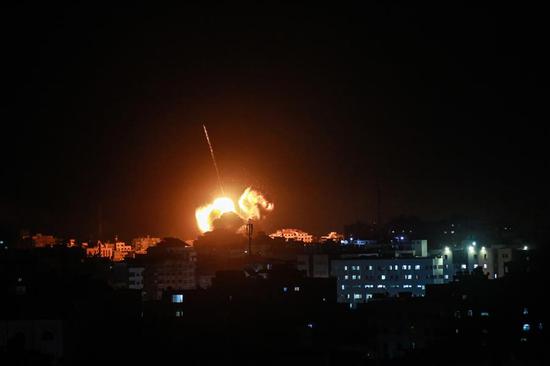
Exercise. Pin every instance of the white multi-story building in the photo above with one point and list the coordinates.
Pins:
(360, 278)
(292, 234)
(470, 256)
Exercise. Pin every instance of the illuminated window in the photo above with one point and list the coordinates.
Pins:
(297, 288)
(370, 268)
(354, 277)
(368, 296)
(526, 327)
(177, 298)
(346, 277)
(485, 265)
(525, 311)
(484, 313)
(343, 287)
(446, 277)
(179, 313)
(357, 296)
(417, 267)
(382, 277)
(463, 266)
(345, 268)
(404, 266)
(285, 289)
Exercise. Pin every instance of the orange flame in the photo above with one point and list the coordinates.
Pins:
(252, 205)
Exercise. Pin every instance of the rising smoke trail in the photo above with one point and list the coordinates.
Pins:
(213, 160)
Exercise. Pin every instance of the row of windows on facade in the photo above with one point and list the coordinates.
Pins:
(360, 296)
(391, 277)
(465, 266)
(391, 267)
(422, 287)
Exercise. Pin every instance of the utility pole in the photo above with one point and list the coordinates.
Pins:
(249, 231)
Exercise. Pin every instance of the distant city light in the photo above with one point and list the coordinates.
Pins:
(471, 249)
(474, 243)
(525, 247)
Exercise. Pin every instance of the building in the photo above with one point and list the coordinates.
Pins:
(141, 244)
(293, 234)
(171, 265)
(122, 250)
(41, 241)
(361, 278)
(469, 256)
(314, 265)
(136, 268)
(101, 250)
(333, 236)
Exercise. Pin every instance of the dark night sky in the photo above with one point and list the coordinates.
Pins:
(439, 103)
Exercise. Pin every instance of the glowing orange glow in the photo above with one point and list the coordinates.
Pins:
(252, 205)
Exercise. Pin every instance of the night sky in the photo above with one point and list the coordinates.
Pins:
(439, 104)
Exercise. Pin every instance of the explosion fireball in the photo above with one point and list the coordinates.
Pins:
(252, 205)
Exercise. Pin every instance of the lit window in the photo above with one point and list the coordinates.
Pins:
(345, 268)
(526, 327)
(484, 313)
(357, 296)
(343, 287)
(179, 313)
(417, 267)
(485, 265)
(446, 277)
(297, 288)
(368, 296)
(381, 286)
(346, 277)
(463, 266)
(285, 289)
(470, 313)
(354, 277)
(370, 268)
(525, 311)
(177, 298)
(404, 266)
(382, 277)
